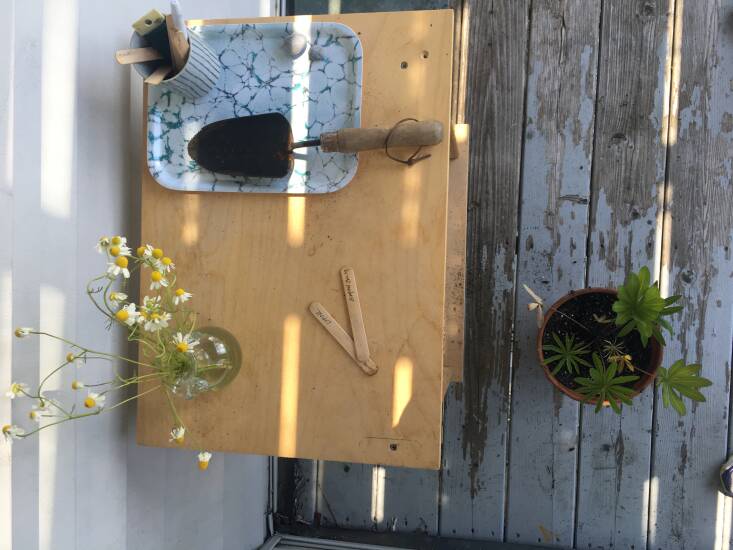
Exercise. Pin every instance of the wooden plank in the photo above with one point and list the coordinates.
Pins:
(628, 176)
(349, 495)
(698, 227)
(455, 263)
(298, 393)
(474, 453)
(558, 147)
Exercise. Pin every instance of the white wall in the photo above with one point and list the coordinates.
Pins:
(69, 144)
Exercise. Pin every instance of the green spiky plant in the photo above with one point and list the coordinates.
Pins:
(606, 385)
(640, 307)
(568, 354)
(681, 380)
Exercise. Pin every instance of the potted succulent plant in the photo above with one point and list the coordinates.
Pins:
(603, 346)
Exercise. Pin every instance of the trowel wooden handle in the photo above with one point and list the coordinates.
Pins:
(407, 134)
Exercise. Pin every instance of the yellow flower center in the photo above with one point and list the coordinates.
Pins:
(76, 385)
(182, 347)
(114, 250)
(6, 428)
(33, 415)
(143, 315)
(121, 262)
(156, 276)
(179, 439)
(140, 251)
(116, 240)
(122, 315)
(89, 402)
(70, 357)
(180, 292)
(155, 316)
(157, 253)
(166, 261)
(203, 464)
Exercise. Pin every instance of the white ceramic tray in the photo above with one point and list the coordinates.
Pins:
(258, 76)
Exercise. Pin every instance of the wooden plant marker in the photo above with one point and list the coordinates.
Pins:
(178, 43)
(339, 334)
(357, 320)
(157, 76)
(137, 55)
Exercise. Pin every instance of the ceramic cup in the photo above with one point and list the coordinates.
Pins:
(197, 77)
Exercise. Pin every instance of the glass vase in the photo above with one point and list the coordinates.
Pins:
(212, 364)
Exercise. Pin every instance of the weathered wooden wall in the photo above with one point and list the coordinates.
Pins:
(601, 141)
(70, 143)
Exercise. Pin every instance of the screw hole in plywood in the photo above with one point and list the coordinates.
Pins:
(403, 65)
(425, 54)
(393, 446)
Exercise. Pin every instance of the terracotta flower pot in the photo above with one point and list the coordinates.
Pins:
(645, 378)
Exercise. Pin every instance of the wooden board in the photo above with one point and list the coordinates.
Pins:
(697, 263)
(254, 264)
(386, 498)
(455, 264)
(558, 147)
(628, 176)
(474, 455)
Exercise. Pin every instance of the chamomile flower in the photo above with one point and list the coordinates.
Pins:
(150, 304)
(177, 434)
(11, 431)
(204, 458)
(165, 265)
(70, 357)
(144, 251)
(180, 296)
(37, 413)
(17, 389)
(158, 280)
(156, 253)
(128, 315)
(116, 250)
(77, 385)
(94, 400)
(22, 332)
(184, 343)
(117, 296)
(102, 244)
(119, 266)
(156, 321)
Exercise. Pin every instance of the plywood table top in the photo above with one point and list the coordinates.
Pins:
(255, 263)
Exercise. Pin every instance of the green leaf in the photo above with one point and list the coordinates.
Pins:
(681, 380)
(567, 354)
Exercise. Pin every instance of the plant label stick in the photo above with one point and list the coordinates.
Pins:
(357, 321)
(339, 334)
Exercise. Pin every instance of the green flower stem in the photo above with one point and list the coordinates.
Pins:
(177, 418)
(137, 396)
(68, 418)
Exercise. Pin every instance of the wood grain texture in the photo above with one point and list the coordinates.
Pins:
(296, 394)
(474, 453)
(698, 227)
(349, 495)
(558, 148)
(625, 234)
(455, 263)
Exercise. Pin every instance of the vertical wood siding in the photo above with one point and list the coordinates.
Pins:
(69, 172)
(602, 133)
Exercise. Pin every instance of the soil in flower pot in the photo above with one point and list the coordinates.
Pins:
(580, 314)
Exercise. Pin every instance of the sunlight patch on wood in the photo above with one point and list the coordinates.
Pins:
(289, 381)
(296, 221)
(401, 388)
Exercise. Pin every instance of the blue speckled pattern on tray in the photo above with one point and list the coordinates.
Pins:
(258, 76)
